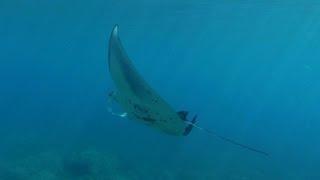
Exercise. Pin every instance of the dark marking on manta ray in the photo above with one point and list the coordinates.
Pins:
(155, 100)
(140, 108)
(163, 120)
(148, 119)
(145, 118)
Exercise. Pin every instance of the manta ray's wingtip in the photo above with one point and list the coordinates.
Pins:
(115, 30)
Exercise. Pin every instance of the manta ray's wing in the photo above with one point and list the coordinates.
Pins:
(134, 94)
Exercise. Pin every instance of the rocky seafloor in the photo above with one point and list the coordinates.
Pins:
(31, 160)
(88, 164)
(92, 164)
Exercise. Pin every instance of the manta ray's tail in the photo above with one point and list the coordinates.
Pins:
(212, 133)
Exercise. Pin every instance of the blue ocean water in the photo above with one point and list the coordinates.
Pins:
(249, 69)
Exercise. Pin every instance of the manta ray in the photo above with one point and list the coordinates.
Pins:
(142, 103)
(137, 98)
